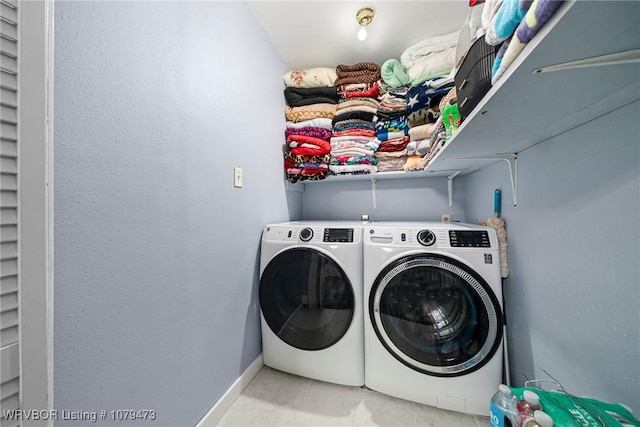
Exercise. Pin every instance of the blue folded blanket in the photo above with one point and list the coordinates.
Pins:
(536, 17)
(506, 20)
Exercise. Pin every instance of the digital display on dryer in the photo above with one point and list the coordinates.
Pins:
(469, 239)
(338, 235)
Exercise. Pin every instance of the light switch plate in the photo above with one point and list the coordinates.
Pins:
(237, 177)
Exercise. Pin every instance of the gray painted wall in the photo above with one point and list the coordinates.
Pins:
(574, 249)
(573, 292)
(156, 254)
(419, 199)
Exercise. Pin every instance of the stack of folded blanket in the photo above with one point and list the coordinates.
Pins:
(312, 100)
(436, 142)
(362, 72)
(421, 136)
(423, 111)
(391, 128)
(511, 24)
(430, 58)
(353, 139)
(393, 137)
(423, 100)
(437, 130)
(393, 102)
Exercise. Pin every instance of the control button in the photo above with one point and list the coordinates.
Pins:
(306, 234)
(403, 237)
(289, 234)
(426, 237)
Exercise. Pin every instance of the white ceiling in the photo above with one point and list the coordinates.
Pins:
(311, 34)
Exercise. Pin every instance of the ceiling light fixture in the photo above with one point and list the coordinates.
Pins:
(364, 17)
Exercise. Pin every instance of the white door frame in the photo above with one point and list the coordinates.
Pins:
(35, 107)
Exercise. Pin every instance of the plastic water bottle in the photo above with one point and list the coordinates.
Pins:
(525, 408)
(542, 419)
(504, 407)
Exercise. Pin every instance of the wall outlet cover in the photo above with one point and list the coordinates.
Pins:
(237, 177)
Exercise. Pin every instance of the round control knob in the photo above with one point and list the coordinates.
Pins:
(306, 234)
(426, 237)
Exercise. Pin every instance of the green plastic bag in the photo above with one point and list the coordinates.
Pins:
(571, 411)
(451, 119)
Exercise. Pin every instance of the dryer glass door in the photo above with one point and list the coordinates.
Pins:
(435, 315)
(306, 299)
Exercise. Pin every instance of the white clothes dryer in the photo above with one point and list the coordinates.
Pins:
(433, 327)
(311, 300)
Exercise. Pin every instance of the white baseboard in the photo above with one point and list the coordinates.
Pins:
(223, 404)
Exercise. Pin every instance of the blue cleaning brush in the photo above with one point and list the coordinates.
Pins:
(497, 203)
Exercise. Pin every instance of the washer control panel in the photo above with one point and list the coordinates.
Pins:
(426, 237)
(338, 235)
(469, 239)
(306, 234)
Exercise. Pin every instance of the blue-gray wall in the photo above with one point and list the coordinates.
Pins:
(419, 199)
(573, 294)
(156, 254)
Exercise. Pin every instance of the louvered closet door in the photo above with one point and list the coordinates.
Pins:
(9, 283)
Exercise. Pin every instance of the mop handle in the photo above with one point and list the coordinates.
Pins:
(497, 202)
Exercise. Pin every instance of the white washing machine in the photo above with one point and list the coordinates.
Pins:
(433, 326)
(311, 300)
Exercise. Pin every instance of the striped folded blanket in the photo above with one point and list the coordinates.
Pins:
(362, 72)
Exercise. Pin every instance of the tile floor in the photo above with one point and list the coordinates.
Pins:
(276, 398)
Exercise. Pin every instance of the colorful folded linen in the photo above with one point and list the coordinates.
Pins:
(319, 122)
(362, 72)
(298, 97)
(311, 77)
(308, 112)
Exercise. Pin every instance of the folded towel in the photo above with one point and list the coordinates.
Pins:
(365, 108)
(394, 74)
(489, 10)
(506, 20)
(352, 102)
(371, 92)
(358, 115)
(362, 72)
(536, 17)
(352, 169)
(419, 147)
(292, 159)
(422, 131)
(307, 112)
(311, 77)
(319, 122)
(354, 160)
(295, 141)
(414, 163)
(309, 131)
(430, 57)
(426, 95)
(297, 97)
(392, 164)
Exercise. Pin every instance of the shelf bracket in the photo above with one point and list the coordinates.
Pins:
(374, 187)
(298, 187)
(512, 161)
(450, 187)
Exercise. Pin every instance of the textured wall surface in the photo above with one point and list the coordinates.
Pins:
(574, 256)
(419, 199)
(156, 254)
